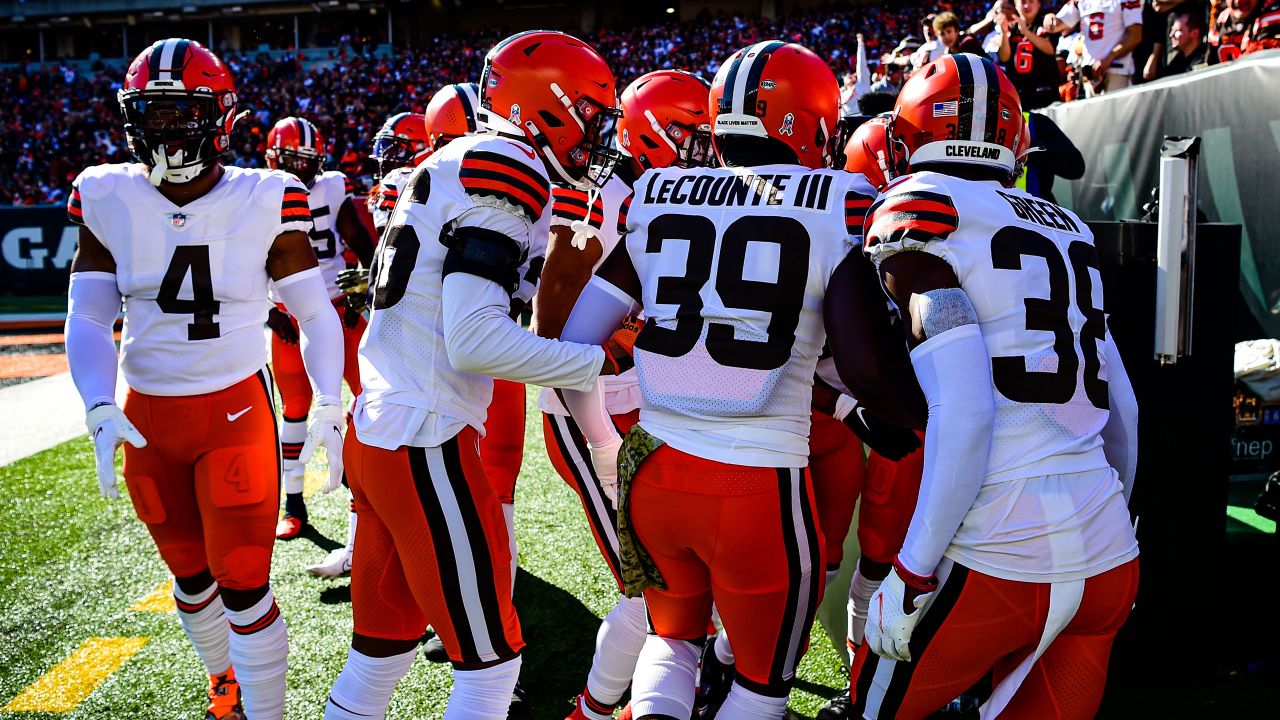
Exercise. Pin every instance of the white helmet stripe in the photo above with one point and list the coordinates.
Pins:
(166, 59)
(738, 92)
(978, 128)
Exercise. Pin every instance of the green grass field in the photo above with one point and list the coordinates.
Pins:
(72, 566)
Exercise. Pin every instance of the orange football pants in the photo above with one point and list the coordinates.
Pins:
(208, 482)
(888, 500)
(745, 538)
(571, 457)
(286, 364)
(431, 547)
(502, 447)
(835, 463)
(978, 624)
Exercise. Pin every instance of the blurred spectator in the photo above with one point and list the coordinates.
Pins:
(1029, 55)
(932, 49)
(1186, 38)
(1229, 29)
(1264, 34)
(1053, 156)
(947, 27)
(1158, 25)
(1111, 30)
(894, 75)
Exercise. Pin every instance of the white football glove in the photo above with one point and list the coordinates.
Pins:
(888, 629)
(325, 430)
(604, 458)
(108, 429)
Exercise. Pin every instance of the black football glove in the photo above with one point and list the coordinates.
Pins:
(889, 441)
(282, 325)
(354, 284)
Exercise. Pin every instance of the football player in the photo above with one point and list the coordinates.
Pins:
(664, 122)
(737, 271)
(295, 146)
(191, 245)
(1020, 559)
(399, 146)
(467, 234)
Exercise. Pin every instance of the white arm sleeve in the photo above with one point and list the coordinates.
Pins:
(1120, 434)
(596, 314)
(307, 299)
(93, 302)
(481, 338)
(955, 375)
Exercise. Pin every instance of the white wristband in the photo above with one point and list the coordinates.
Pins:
(844, 406)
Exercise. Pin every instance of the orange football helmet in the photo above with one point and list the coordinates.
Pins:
(404, 140)
(959, 109)
(778, 90)
(665, 120)
(867, 151)
(557, 93)
(296, 146)
(451, 114)
(179, 105)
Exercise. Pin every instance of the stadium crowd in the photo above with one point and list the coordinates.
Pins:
(59, 120)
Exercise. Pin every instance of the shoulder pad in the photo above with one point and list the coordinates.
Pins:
(918, 208)
(99, 181)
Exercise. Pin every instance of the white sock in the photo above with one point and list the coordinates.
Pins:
(260, 655)
(509, 510)
(293, 433)
(724, 651)
(206, 626)
(621, 636)
(351, 528)
(743, 704)
(483, 694)
(860, 591)
(363, 688)
(665, 678)
(295, 477)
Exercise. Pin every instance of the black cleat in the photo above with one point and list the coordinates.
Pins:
(837, 708)
(433, 650)
(715, 679)
(519, 707)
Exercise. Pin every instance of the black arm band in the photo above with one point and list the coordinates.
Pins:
(484, 253)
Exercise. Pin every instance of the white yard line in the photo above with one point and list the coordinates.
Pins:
(37, 415)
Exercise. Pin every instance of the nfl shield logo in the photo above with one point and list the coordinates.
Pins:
(178, 220)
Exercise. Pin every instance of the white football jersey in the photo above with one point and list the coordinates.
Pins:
(733, 266)
(194, 278)
(412, 394)
(383, 200)
(598, 210)
(1031, 270)
(1102, 25)
(326, 195)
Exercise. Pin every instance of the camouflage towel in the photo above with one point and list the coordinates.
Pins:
(639, 571)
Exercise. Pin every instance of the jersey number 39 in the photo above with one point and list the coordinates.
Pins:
(783, 299)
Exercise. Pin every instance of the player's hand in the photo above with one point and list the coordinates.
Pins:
(325, 430)
(895, 610)
(282, 325)
(354, 284)
(604, 459)
(889, 441)
(1050, 22)
(109, 428)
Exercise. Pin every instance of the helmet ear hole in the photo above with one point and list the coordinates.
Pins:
(551, 120)
(648, 142)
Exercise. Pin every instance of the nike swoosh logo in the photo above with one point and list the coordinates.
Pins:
(234, 417)
(528, 152)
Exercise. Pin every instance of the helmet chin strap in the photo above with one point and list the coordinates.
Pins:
(159, 166)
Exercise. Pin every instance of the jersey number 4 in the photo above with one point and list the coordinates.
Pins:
(193, 259)
(1010, 373)
(783, 299)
